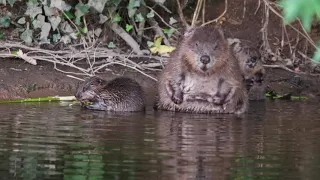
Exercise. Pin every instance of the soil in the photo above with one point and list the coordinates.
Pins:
(19, 79)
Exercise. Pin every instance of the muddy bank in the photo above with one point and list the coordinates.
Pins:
(21, 80)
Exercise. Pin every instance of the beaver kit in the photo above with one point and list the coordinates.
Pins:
(202, 76)
(249, 59)
(120, 94)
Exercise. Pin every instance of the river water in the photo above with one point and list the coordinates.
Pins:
(275, 140)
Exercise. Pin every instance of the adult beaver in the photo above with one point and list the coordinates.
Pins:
(119, 94)
(249, 59)
(202, 76)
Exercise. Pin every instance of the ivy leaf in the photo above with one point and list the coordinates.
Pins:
(48, 11)
(22, 20)
(134, 4)
(68, 14)
(45, 29)
(55, 21)
(150, 43)
(33, 10)
(111, 45)
(97, 4)
(56, 37)
(4, 2)
(103, 18)
(139, 18)
(11, 2)
(5, 21)
(169, 32)
(131, 12)
(60, 4)
(1, 35)
(158, 41)
(150, 14)
(172, 21)
(84, 30)
(26, 36)
(128, 27)
(81, 10)
(116, 18)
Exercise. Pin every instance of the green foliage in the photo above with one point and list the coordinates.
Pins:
(57, 21)
(1, 35)
(5, 21)
(306, 10)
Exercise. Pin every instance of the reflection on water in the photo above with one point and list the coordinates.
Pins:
(275, 140)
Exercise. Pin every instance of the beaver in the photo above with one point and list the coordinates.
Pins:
(202, 76)
(249, 59)
(119, 94)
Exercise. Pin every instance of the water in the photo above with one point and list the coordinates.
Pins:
(276, 140)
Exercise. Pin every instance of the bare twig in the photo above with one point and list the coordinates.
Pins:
(217, 19)
(181, 15)
(290, 70)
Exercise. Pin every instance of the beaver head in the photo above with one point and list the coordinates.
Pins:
(205, 50)
(89, 89)
(253, 57)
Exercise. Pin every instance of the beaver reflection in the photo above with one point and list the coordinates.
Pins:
(120, 94)
(202, 76)
(202, 147)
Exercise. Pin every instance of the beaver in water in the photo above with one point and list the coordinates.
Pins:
(202, 76)
(251, 66)
(119, 94)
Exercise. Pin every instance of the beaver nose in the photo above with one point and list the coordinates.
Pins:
(205, 59)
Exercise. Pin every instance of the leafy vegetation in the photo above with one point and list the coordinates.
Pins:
(306, 10)
(46, 21)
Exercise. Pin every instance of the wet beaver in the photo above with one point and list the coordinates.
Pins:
(251, 65)
(119, 94)
(202, 76)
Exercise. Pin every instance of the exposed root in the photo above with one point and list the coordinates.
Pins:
(99, 58)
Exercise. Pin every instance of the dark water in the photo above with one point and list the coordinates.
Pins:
(276, 140)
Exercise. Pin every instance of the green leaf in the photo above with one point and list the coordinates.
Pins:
(150, 14)
(5, 21)
(11, 2)
(4, 2)
(97, 4)
(128, 27)
(103, 18)
(55, 21)
(81, 10)
(45, 30)
(132, 12)
(60, 4)
(134, 4)
(33, 9)
(1, 35)
(26, 36)
(22, 20)
(111, 45)
(139, 18)
(169, 32)
(316, 56)
(303, 9)
(84, 30)
(56, 37)
(116, 18)
(172, 21)
(68, 14)
(150, 43)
